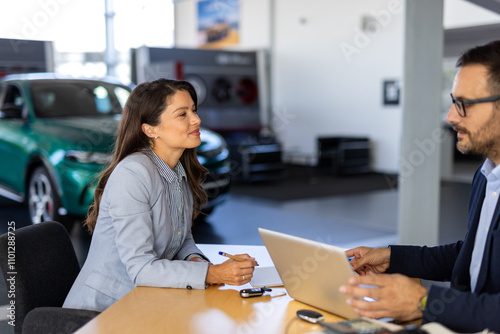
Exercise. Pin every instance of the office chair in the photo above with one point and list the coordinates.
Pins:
(44, 269)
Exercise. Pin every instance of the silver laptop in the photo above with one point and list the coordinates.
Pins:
(311, 271)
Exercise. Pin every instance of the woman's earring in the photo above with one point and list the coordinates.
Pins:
(156, 137)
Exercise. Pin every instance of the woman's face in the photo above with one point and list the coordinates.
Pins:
(179, 126)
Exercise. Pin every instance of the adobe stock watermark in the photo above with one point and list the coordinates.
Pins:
(11, 274)
(224, 5)
(437, 306)
(102, 135)
(32, 24)
(309, 265)
(417, 157)
(281, 119)
(373, 24)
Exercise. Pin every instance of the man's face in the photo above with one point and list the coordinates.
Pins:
(479, 131)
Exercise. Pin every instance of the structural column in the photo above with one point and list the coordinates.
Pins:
(422, 130)
(110, 52)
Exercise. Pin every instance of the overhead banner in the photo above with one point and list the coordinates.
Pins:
(218, 22)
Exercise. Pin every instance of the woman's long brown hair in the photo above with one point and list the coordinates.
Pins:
(145, 105)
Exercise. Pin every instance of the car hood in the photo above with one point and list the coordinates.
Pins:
(88, 133)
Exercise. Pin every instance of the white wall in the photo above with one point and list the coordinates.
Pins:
(316, 90)
(327, 93)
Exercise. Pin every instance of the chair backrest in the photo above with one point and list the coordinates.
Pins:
(44, 267)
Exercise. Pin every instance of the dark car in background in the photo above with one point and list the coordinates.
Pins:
(57, 134)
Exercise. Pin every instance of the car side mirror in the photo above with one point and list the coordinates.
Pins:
(11, 111)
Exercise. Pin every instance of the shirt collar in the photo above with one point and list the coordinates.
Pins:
(164, 170)
(490, 170)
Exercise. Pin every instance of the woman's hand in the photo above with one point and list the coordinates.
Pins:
(232, 272)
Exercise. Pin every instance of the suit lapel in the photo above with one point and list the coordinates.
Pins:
(481, 280)
(461, 274)
(476, 205)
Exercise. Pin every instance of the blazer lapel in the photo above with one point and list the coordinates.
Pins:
(461, 275)
(478, 192)
(481, 280)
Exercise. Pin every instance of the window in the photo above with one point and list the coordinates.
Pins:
(77, 98)
(13, 97)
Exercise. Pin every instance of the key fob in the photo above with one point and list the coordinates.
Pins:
(247, 293)
(310, 316)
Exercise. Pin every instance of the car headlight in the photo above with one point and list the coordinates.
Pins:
(89, 157)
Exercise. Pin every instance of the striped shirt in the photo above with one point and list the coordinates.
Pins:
(172, 180)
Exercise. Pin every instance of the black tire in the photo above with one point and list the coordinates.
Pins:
(43, 201)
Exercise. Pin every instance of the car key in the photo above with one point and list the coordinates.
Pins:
(247, 293)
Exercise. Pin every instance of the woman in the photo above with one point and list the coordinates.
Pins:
(145, 202)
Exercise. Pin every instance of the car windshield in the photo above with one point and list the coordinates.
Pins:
(70, 98)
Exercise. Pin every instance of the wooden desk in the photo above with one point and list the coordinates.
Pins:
(218, 309)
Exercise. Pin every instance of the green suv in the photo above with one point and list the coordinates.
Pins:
(56, 135)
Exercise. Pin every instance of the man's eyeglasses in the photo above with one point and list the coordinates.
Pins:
(460, 105)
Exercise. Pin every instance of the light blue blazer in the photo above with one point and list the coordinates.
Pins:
(130, 240)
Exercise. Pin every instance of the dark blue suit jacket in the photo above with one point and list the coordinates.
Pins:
(457, 307)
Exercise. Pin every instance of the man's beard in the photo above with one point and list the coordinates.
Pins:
(482, 142)
(460, 143)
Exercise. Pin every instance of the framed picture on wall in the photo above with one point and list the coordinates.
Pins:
(218, 22)
(391, 91)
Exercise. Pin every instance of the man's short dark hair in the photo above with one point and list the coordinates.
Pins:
(487, 55)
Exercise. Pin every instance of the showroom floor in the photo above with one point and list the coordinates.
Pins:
(367, 218)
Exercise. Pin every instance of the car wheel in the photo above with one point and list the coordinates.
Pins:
(43, 201)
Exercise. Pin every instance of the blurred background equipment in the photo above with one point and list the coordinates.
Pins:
(344, 155)
(23, 56)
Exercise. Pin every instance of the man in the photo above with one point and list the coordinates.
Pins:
(472, 302)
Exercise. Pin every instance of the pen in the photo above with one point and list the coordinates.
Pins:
(232, 256)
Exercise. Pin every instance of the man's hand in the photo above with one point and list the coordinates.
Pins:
(375, 260)
(396, 296)
(232, 272)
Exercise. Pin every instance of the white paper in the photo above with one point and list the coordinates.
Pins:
(265, 276)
